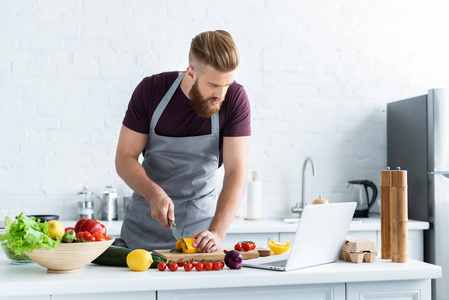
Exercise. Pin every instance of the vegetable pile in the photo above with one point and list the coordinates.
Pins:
(245, 246)
(26, 234)
(207, 265)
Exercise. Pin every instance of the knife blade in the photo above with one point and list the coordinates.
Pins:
(176, 234)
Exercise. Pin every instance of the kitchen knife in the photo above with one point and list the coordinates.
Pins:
(177, 235)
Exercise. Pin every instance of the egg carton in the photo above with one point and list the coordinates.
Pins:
(358, 250)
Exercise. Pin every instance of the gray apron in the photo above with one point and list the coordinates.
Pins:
(185, 168)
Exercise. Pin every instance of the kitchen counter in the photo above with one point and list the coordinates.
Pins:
(273, 225)
(98, 282)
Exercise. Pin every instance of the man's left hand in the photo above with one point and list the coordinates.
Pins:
(206, 241)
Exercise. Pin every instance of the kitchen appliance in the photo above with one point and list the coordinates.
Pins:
(358, 192)
(109, 204)
(418, 141)
(86, 204)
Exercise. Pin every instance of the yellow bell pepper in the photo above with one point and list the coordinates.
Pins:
(180, 245)
(279, 248)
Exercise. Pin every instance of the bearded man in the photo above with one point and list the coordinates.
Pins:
(186, 125)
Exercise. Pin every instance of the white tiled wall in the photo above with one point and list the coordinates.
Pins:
(318, 73)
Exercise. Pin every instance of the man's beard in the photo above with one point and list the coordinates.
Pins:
(202, 106)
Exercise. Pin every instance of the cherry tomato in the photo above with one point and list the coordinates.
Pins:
(173, 266)
(161, 266)
(217, 265)
(247, 246)
(69, 228)
(209, 266)
(238, 246)
(254, 245)
(80, 235)
(193, 263)
(98, 236)
(188, 266)
(86, 234)
(199, 266)
(181, 263)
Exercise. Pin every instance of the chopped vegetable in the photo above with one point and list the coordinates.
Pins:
(181, 245)
(25, 234)
(279, 248)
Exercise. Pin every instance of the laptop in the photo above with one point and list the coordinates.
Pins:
(319, 237)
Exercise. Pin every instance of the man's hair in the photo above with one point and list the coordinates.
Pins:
(214, 48)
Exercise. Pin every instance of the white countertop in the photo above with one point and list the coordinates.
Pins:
(32, 279)
(273, 225)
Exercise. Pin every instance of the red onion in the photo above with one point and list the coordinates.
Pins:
(233, 259)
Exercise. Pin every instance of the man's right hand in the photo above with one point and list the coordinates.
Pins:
(162, 208)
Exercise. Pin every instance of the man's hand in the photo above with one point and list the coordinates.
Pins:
(207, 241)
(162, 208)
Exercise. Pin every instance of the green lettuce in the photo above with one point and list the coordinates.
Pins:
(25, 234)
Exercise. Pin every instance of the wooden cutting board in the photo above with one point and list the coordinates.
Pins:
(217, 255)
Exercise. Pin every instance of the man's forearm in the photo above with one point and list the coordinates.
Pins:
(132, 172)
(228, 202)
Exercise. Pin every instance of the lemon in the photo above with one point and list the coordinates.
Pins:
(55, 229)
(139, 260)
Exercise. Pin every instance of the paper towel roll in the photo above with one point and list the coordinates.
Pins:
(254, 199)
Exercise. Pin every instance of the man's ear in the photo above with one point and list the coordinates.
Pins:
(191, 73)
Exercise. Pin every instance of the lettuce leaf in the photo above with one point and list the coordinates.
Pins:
(25, 234)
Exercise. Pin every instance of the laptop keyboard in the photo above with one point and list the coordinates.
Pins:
(276, 263)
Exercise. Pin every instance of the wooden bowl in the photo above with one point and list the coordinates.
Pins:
(69, 257)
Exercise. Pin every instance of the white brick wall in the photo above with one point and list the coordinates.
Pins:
(318, 73)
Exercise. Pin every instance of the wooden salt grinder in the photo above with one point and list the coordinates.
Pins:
(385, 213)
(398, 198)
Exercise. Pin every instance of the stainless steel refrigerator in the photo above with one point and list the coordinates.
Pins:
(418, 141)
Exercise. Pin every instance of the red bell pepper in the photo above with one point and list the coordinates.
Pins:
(90, 225)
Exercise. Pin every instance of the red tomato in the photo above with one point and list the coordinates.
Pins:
(99, 237)
(91, 238)
(188, 266)
(173, 266)
(181, 263)
(217, 265)
(86, 234)
(238, 247)
(247, 246)
(209, 266)
(199, 266)
(193, 263)
(69, 228)
(79, 235)
(161, 266)
(254, 245)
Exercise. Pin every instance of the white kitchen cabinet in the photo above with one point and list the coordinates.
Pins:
(146, 295)
(34, 297)
(401, 290)
(305, 292)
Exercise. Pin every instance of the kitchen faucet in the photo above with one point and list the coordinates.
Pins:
(300, 205)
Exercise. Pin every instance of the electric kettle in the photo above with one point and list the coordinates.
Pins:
(358, 192)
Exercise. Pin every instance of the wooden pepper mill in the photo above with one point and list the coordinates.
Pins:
(385, 213)
(399, 224)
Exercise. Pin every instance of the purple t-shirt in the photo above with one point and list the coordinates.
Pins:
(178, 118)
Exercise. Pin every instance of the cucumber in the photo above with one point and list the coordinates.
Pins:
(113, 256)
(116, 256)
